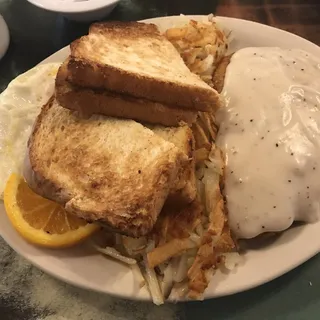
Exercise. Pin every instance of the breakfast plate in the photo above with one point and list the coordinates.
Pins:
(260, 263)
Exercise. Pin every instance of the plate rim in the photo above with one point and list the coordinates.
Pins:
(137, 297)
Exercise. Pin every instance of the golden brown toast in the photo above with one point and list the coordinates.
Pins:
(102, 169)
(135, 59)
(184, 189)
(114, 104)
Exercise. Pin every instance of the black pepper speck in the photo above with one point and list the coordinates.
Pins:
(277, 145)
(302, 69)
(251, 120)
(289, 181)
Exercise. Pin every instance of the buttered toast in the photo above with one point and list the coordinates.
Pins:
(113, 104)
(102, 169)
(184, 189)
(134, 58)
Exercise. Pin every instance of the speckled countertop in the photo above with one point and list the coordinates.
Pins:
(26, 293)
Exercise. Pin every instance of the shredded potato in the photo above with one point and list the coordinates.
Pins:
(168, 250)
(113, 253)
(201, 155)
(153, 284)
(201, 45)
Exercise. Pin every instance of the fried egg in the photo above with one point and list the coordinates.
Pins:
(20, 104)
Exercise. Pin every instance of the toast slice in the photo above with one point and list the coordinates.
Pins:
(114, 104)
(135, 59)
(102, 169)
(184, 189)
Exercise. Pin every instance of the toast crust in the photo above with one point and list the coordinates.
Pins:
(108, 103)
(72, 160)
(184, 189)
(138, 61)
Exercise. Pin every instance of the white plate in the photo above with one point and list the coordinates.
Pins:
(84, 268)
(4, 37)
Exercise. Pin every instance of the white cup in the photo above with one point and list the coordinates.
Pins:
(4, 37)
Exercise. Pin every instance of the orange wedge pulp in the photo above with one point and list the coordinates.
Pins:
(41, 221)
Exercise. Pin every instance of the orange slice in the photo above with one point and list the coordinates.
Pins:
(41, 221)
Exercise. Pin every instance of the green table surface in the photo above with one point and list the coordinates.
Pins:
(35, 34)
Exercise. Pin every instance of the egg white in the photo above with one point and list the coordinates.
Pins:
(20, 104)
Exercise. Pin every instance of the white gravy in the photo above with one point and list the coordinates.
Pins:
(270, 133)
